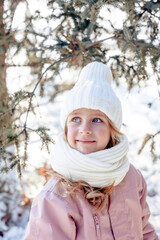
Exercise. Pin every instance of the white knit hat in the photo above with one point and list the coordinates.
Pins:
(93, 90)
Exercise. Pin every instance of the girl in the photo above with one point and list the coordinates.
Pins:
(95, 193)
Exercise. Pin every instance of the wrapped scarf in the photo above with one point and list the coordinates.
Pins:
(99, 169)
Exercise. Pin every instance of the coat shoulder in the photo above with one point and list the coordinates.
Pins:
(134, 172)
(49, 188)
(133, 179)
(49, 195)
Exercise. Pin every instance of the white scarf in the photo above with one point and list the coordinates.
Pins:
(99, 169)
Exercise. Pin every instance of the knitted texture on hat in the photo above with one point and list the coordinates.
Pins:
(93, 90)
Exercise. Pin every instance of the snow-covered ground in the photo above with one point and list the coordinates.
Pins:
(138, 120)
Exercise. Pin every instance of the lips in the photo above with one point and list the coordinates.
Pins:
(85, 141)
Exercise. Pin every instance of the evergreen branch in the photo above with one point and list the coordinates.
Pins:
(147, 138)
(18, 100)
(32, 93)
(98, 42)
(158, 83)
(37, 34)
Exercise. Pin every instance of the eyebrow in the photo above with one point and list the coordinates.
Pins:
(92, 114)
(75, 113)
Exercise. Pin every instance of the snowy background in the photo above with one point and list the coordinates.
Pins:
(138, 119)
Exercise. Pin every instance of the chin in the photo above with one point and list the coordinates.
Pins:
(86, 151)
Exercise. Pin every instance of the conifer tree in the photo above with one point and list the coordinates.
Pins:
(73, 34)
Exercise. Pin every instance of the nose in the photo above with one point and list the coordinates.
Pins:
(85, 129)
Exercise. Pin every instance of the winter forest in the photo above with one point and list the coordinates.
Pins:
(43, 46)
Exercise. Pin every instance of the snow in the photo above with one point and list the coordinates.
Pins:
(138, 120)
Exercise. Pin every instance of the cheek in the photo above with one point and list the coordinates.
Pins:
(70, 134)
(104, 131)
(105, 135)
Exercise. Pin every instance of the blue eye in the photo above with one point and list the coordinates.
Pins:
(76, 119)
(97, 120)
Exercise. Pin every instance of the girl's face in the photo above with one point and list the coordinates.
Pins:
(88, 130)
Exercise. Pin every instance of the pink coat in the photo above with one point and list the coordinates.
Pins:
(63, 218)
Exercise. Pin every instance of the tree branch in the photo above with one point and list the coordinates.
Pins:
(32, 93)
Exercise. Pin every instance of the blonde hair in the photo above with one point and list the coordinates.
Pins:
(98, 197)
